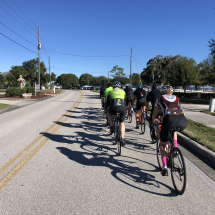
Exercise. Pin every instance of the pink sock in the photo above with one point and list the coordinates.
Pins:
(175, 143)
(164, 161)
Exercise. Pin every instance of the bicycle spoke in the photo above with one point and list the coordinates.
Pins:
(178, 171)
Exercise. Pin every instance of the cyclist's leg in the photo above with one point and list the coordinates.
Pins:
(138, 106)
(175, 140)
(164, 136)
(110, 116)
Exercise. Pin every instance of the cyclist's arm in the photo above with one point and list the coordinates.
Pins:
(147, 106)
(155, 113)
(108, 101)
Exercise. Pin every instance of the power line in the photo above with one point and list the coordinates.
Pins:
(18, 15)
(18, 34)
(18, 43)
(138, 62)
(22, 12)
(83, 55)
(17, 21)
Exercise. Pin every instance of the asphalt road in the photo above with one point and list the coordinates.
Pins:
(57, 157)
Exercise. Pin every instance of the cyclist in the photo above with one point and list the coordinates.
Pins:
(129, 97)
(173, 118)
(140, 95)
(116, 104)
(152, 97)
(102, 89)
(109, 87)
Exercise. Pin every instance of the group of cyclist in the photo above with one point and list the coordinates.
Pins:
(115, 100)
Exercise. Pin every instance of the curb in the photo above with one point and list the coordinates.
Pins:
(202, 150)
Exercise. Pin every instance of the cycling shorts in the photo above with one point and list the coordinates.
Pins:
(118, 109)
(129, 99)
(169, 122)
(140, 102)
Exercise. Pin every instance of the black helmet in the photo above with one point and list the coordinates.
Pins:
(109, 85)
(127, 86)
(155, 86)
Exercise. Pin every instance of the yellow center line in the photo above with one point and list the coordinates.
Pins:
(33, 152)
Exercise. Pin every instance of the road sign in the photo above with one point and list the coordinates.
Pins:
(37, 88)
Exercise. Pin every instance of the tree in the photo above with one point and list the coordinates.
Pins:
(68, 80)
(11, 80)
(136, 79)
(2, 79)
(117, 72)
(86, 79)
(212, 47)
(16, 71)
(31, 67)
(207, 71)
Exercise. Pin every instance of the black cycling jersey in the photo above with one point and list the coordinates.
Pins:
(152, 96)
(129, 92)
(140, 93)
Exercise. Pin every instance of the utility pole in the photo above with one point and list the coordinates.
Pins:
(49, 75)
(108, 76)
(39, 46)
(131, 69)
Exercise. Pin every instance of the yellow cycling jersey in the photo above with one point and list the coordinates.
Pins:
(116, 97)
(107, 90)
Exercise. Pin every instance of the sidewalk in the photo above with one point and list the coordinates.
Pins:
(193, 112)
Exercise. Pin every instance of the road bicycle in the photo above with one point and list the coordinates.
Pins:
(129, 112)
(175, 162)
(117, 133)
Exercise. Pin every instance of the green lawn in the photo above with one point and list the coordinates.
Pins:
(2, 90)
(57, 91)
(201, 134)
(3, 106)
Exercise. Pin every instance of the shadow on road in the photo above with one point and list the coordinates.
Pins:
(94, 147)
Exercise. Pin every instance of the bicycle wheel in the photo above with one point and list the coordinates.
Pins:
(178, 171)
(158, 154)
(118, 137)
(143, 124)
(130, 115)
(154, 139)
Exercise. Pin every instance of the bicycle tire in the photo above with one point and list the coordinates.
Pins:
(143, 124)
(151, 134)
(158, 154)
(178, 171)
(118, 139)
(130, 117)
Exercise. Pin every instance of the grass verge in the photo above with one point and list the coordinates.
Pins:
(57, 91)
(200, 133)
(3, 106)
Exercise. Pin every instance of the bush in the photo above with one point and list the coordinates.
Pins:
(14, 91)
(30, 90)
(27, 85)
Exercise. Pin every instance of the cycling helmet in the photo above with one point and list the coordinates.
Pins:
(116, 84)
(155, 86)
(139, 86)
(109, 85)
(166, 87)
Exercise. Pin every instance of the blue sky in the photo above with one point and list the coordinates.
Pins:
(99, 34)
